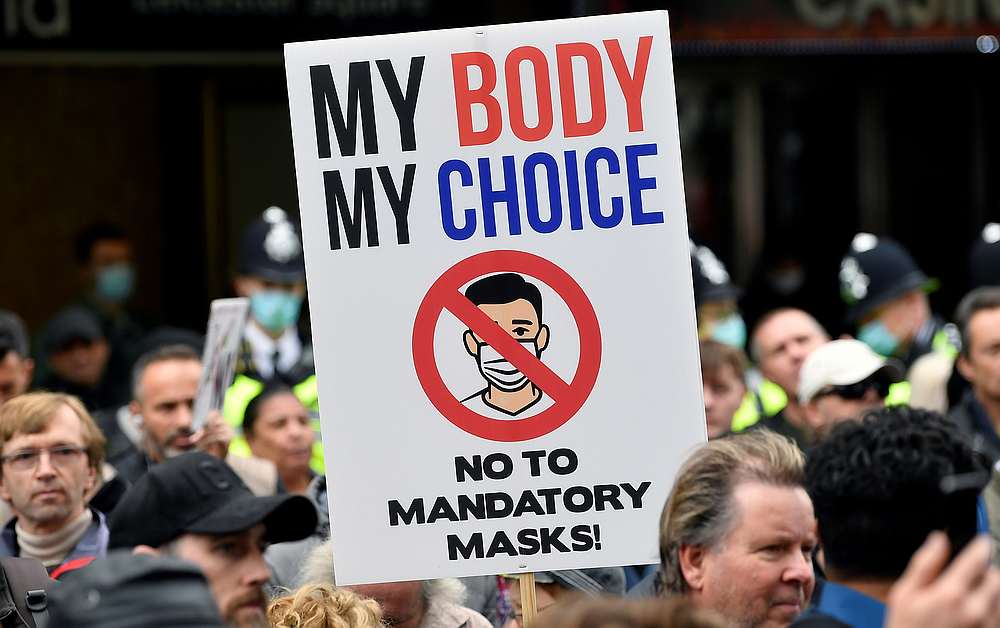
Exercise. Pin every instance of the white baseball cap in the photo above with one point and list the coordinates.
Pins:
(839, 363)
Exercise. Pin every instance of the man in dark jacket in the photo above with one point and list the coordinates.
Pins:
(978, 413)
(879, 488)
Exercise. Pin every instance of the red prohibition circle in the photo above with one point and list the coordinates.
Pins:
(445, 293)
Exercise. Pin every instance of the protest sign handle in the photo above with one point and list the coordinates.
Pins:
(529, 609)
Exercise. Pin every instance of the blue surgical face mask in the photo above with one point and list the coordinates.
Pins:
(731, 331)
(879, 338)
(114, 283)
(275, 310)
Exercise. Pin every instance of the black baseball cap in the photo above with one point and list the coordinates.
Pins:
(710, 277)
(272, 249)
(13, 336)
(123, 590)
(72, 323)
(200, 494)
(874, 272)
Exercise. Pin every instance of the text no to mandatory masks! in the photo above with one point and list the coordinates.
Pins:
(500, 292)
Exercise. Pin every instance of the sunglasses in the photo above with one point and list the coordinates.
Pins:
(858, 390)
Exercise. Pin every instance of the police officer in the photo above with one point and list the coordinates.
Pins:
(715, 298)
(886, 297)
(719, 319)
(272, 275)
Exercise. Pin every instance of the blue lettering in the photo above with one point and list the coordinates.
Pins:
(602, 153)
(637, 184)
(447, 204)
(531, 192)
(573, 191)
(508, 195)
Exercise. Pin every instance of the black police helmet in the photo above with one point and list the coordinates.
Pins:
(984, 258)
(711, 279)
(874, 272)
(272, 249)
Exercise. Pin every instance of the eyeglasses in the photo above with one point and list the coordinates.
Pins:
(27, 459)
(858, 390)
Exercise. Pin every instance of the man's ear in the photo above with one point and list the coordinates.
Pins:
(543, 338)
(92, 474)
(4, 493)
(145, 550)
(29, 368)
(470, 343)
(692, 563)
(135, 409)
(964, 367)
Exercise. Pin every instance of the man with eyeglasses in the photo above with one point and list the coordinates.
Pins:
(50, 453)
(841, 380)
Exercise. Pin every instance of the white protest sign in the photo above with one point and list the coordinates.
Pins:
(226, 321)
(500, 282)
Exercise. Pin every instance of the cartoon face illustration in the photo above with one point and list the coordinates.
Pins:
(516, 306)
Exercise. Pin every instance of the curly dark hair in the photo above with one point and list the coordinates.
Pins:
(876, 486)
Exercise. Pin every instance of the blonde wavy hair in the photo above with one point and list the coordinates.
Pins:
(323, 606)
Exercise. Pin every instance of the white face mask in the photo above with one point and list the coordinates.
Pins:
(499, 371)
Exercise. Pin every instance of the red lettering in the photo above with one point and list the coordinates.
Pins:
(572, 126)
(465, 97)
(543, 93)
(633, 82)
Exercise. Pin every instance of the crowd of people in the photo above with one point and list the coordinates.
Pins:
(845, 482)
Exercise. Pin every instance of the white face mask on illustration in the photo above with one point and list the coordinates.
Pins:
(499, 371)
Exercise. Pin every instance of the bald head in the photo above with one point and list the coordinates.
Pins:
(781, 342)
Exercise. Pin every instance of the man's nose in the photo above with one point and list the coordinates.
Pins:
(709, 397)
(44, 468)
(799, 570)
(185, 416)
(257, 572)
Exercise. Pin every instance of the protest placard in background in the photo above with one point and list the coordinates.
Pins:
(499, 275)
(226, 321)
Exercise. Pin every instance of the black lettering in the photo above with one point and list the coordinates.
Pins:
(572, 462)
(359, 96)
(528, 503)
(636, 493)
(533, 458)
(399, 202)
(582, 541)
(337, 208)
(466, 505)
(501, 545)
(550, 539)
(527, 541)
(397, 512)
(549, 495)
(473, 548)
(605, 494)
(490, 467)
(442, 510)
(495, 511)
(405, 106)
(464, 468)
(583, 491)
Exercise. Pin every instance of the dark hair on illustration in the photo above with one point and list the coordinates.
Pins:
(876, 486)
(504, 288)
(92, 234)
(250, 415)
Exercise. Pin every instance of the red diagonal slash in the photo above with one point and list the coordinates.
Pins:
(487, 329)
